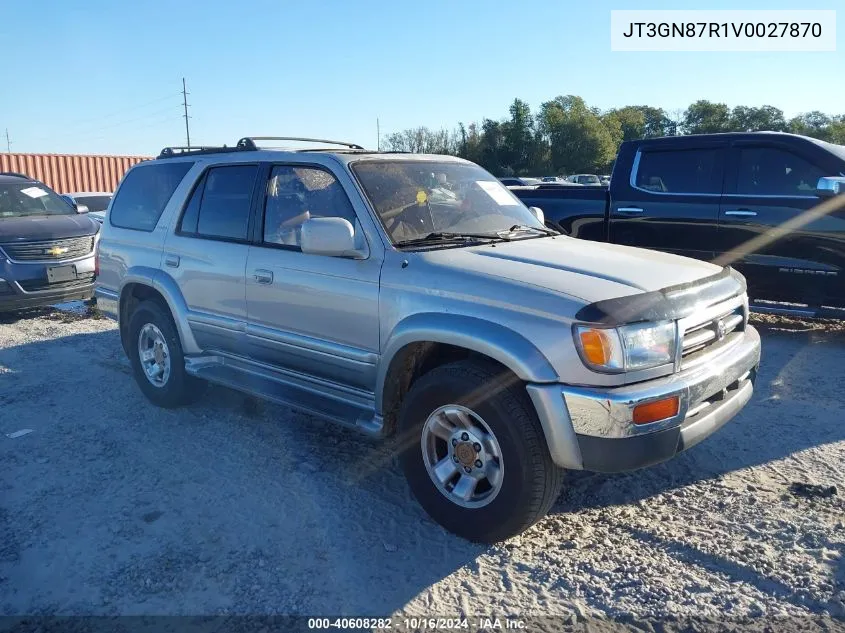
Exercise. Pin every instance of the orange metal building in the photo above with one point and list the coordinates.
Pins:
(66, 173)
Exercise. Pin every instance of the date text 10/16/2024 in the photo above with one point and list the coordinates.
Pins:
(418, 624)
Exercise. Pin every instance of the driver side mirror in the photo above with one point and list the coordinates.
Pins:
(334, 237)
(80, 208)
(537, 212)
(829, 186)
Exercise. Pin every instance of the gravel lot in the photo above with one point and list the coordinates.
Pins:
(112, 506)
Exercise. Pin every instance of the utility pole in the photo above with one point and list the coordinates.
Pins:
(378, 136)
(185, 105)
(8, 142)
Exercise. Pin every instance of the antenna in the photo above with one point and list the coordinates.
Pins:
(8, 142)
(185, 105)
(378, 136)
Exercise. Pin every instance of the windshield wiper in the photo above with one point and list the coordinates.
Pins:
(525, 227)
(445, 237)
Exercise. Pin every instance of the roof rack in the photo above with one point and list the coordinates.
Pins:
(181, 150)
(248, 142)
(14, 174)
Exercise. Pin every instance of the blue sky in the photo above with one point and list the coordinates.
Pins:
(105, 77)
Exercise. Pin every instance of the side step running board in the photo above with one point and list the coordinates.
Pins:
(331, 402)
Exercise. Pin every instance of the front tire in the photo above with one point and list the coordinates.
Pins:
(474, 452)
(158, 363)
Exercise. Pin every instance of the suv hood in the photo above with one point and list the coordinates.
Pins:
(589, 271)
(46, 227)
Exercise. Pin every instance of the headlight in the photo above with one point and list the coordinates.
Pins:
(628, 347)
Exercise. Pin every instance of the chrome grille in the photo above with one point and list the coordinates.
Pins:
(52, 250)
(713, 329)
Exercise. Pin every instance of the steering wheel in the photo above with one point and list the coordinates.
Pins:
(409, 214)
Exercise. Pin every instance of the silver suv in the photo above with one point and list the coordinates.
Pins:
(414, 297)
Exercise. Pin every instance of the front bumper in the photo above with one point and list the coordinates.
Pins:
(25, 285)
(592, 429)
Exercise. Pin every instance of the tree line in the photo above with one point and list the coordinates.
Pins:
(566, 136)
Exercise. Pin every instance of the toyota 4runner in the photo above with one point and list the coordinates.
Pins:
(414, 297)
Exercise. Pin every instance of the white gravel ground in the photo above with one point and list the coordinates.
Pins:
(112, 506)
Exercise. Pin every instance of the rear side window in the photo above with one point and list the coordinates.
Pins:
(769, 171)
(144, 193)
(219, 207)
(680, 171)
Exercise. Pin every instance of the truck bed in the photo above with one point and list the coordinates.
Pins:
(577, 211)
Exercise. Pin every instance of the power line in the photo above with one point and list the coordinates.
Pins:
(145, 126)
(124, 110)
(185, 105)
(96, 130)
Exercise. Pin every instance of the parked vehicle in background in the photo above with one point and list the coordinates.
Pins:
(584, 179)
(79, 208)
(522, 181)
(550, 179)
(560, 183)
(496, 351)
(605, 180)
(705, 196)
(46, 247)
(96, 203)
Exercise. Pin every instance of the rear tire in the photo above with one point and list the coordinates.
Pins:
(158, 363)
(446, 423)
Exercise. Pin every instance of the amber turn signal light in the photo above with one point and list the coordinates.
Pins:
(657, 410)
(596, 346)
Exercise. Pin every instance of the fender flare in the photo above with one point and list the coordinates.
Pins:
(498, 342)
(167, 287)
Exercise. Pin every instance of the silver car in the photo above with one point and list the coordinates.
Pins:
(584, 179)
(416, 299)
(92, 203)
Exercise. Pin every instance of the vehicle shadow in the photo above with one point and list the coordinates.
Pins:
(226, 506)
(75, 311)
(796, 406)
(8, 318)
(237, 506)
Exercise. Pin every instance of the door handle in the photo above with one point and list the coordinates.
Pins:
(172, 261)
(743, 213)
(262, 276)
(629, 210)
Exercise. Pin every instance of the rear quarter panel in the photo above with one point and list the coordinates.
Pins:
(134, 256)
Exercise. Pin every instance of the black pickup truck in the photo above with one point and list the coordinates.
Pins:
(704, 196)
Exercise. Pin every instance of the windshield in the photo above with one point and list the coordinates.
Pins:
(416, 198)
(94, 203)
(589, 180)
(25, 199)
